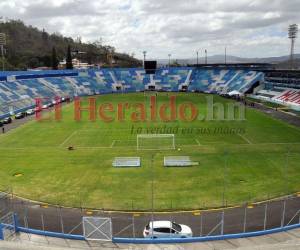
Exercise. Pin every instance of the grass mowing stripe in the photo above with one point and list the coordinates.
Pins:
(85, 176)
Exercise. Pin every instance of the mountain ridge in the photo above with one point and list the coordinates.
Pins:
(232, 59)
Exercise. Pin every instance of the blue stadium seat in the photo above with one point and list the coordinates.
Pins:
(18, 89)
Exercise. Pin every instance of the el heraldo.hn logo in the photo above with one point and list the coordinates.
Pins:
(147, 111)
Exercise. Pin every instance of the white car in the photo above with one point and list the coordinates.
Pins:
(167, 229)
(45, 106)
(20, 115)
(30, 112)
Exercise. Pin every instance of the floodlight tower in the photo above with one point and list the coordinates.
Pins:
(293, 30)
(169, 55)
(144, 53)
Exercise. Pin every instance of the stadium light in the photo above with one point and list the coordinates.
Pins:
(144, 53)
(293, 30)
(169, 55)
(197, 57)
(205, 56)
(225, 55)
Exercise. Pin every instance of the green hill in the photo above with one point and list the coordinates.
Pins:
(29, 47)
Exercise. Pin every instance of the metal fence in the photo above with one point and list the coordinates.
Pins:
(7, 226)
(247, 218)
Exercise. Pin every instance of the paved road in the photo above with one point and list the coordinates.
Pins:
(18, 122)
(68, 220)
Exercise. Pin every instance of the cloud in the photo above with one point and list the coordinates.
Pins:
(253, 28)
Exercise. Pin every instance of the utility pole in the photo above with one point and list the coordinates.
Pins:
(2, 43)
(144, 53)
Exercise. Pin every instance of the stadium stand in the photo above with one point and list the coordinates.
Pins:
(18, 89)
(222, 81)
(172, 79)
(132, 80)
(281, 87)
(291, 96)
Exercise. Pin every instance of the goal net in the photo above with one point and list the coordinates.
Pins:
(155, 141)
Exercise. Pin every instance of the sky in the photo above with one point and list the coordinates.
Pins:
(248, 28)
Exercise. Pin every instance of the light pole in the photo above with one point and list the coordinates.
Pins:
(293, 30)
(144, 53)
(205, 56)
(169, 55)
(197, 57)
(225, 55)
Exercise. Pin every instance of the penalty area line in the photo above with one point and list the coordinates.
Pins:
(198, 143)
(67, 139)
(245, 138)
(113, 143)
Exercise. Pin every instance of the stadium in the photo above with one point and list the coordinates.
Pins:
(176, 139)
(252, 148)
(102, 150)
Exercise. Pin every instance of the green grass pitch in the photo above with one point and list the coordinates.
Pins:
(261, 163)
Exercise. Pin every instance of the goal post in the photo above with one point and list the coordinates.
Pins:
(155, 141)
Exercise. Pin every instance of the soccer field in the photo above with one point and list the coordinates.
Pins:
(242, 160)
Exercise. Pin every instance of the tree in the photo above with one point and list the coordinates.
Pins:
(54, 60)
(175, 64)
(30, 47)
(44, 35)
(69, 64)
(33, 62)
(46, 60)
(91, 54)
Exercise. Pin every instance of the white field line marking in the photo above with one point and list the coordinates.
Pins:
(67, 139)
(245, 138)
(134, 147)
(245, 144)
(113, 143)
(216, 142)
(199, 144)
(152, 149)
(276, 143)
(87, 148)
(104, 129)
(124, 140)
(95, 148)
